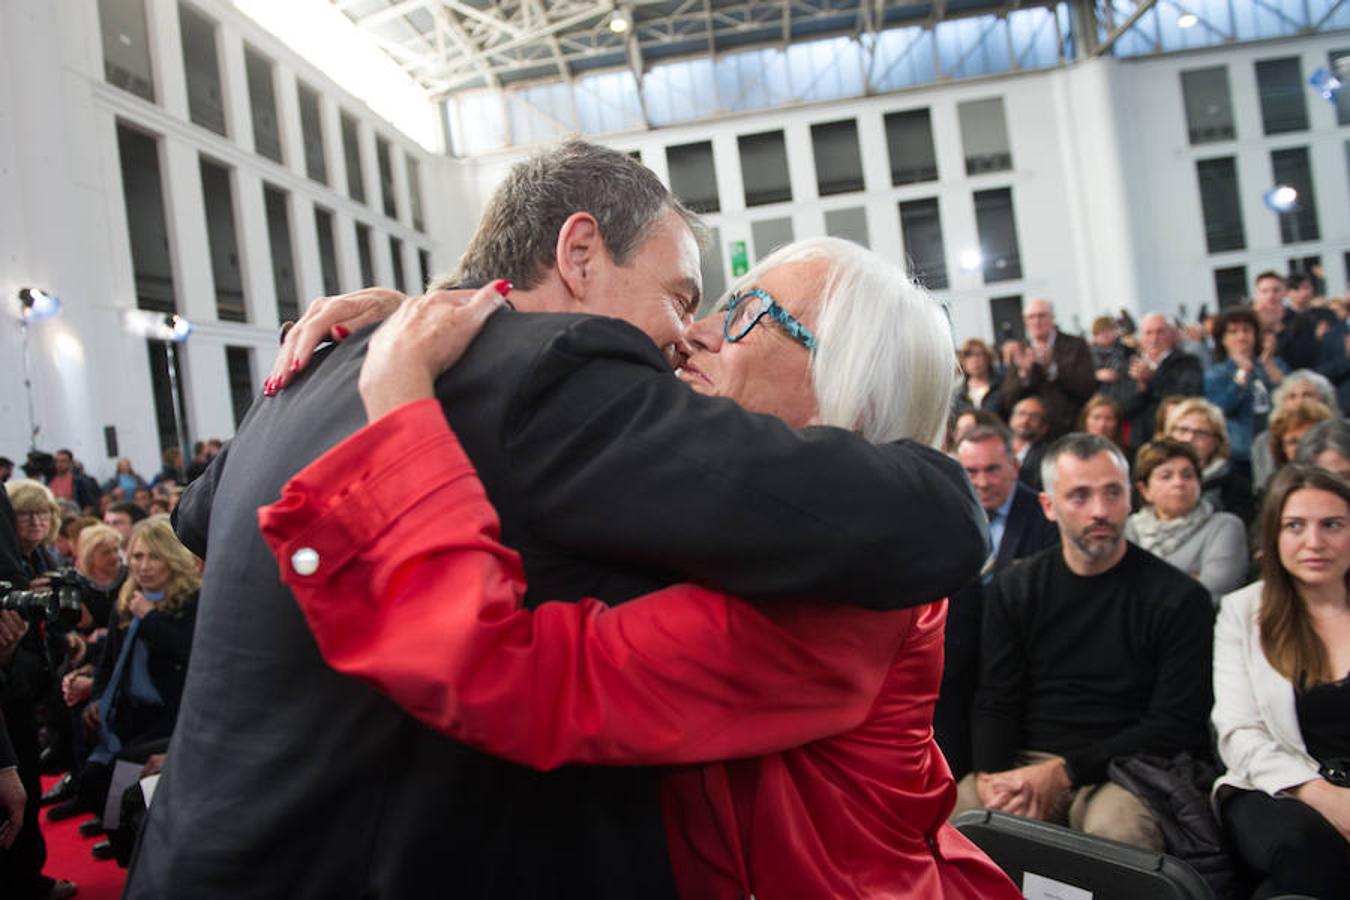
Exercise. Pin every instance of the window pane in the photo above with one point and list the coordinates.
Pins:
(217, 196)
(849, 224)
(323, 224)
(770, 234)
(838, 159)
(1220, 203)
(1006, 314)
(984, 135)
(205, 106)
(1280, 83)
(415, 192)
(364, 255)
(693, 176)
(143, 194)
(239, 364)
(351, 149)
(424, 264)
(262, 100)
(1209, 105)
(921, 226)
(1339, 62)
(396, 254)
(166, 380)
(1230, 286)
(386, 177)
(126, 47)
(283, 260)
(764, 168)
(714, 276)
(909, 135)
(1291, 167)
(997, 230)
(312, 130)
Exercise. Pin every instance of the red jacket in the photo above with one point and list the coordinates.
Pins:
(798, 735)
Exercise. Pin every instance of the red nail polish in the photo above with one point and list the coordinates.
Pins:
(502, 286)
(341, 331)
(295, 366)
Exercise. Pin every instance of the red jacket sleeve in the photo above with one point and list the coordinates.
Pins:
(413, 593)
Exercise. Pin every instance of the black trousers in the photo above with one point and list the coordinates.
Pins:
(1290, 843)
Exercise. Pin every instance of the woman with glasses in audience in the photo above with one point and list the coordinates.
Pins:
(1240, 382)
(1299, 385)
(1201, 424)
(978, 388)
(1282, 694)
(1182, 527)
(800, 735)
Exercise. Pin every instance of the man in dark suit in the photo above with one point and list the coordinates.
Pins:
(1017, 529)
(1159, 370)
(1052, 365)
(287, 779)
(1029, 426)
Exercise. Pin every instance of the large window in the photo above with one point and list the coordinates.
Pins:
(218, 199)
(239, 365)
(386, 165)
(126, 46)
(984, 135)
(1221, 204)
(849, 224)
(997, 228)
(206, 106)
(351, 150)
(283, 258)
(921, 227)
(364, 255)
(262, 100)
(909, 137)
(396, 256)
(693, 176)
(166, 386)
(1230, 286)
(1209, 105)
(415, 193)
(838, 160)
(1291, 168)
(764, 168)
(770, 234)
(328, 264)
(143, 194)
(311, 128)
(1283, 105)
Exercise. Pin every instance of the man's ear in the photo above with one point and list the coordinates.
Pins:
(1047, 507)
(580, 252)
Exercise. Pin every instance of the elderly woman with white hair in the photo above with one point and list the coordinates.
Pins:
(800, 734)
(1299, 385)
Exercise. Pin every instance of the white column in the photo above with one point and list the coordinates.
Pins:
(194, 286)
(255, 248)
(166, 56)
(288, 120)
(305, 246)
(234, 87)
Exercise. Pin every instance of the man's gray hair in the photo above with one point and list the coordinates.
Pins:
(885, 364)
(1332, 434)
(1305, 376)
(517, 237)
(983, 433)
(1080, 446)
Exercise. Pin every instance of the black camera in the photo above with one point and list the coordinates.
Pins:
(57, 604)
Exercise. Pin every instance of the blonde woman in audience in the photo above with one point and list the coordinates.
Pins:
(1288, 426)
(1181, 527)
(1201, 424)
(1102, 416)
(1298, 386)
(1282, 694)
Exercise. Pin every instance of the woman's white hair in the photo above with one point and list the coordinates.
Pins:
(885, 359)
(1299, 376)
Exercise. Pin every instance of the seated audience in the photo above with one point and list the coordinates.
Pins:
(123, 517)
(1282, 694)
(979, 388)
(1092, 650)
(1017, 529)
(1029, 427)
(972, 418)
(1179, 526)
(1327, 445)
(1299, 385)
(1102, 416)
(1199, 423)
(1110, 358)
(1161, 370)
(1051, 365)
(125, 477)
(1288, 426)
(1240, 382)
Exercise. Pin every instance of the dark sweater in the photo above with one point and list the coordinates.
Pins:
(1093, 668)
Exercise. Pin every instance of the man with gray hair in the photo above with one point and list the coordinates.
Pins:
(1049, 364)
(1159, 370)
(1092, 650)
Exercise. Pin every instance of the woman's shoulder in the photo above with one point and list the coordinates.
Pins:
(1243, 602)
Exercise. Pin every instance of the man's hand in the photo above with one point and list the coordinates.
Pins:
(76, 687)
(1107, 376)
(999, 792)
(1031, 791)
(13, 798)
(154, 765)
(328, 318)
(1141, 371)
(12, 630)
(426, 336)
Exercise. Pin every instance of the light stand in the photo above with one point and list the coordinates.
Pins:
(34, 305)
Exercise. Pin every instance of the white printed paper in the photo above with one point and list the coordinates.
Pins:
(1038, 887)
(148, 785)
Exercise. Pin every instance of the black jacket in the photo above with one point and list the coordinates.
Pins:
(1180, 374)
(612, 479)
(169, 639)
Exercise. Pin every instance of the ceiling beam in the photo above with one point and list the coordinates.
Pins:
(1125, 26)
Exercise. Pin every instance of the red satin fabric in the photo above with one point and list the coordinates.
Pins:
(834, 786)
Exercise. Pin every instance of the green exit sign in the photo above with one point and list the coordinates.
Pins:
(740, 260)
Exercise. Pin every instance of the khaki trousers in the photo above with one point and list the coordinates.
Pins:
(1105, 810)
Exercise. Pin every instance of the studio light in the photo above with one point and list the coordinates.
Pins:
(37, 304)
(1281, 199)
(1187, 20)
(1327, 85)
(179, 328)
(971, 260)
(620, 21)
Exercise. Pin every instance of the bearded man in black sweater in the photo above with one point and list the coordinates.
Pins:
(1092, 649)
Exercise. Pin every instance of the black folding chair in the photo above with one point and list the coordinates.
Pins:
(1109, 870)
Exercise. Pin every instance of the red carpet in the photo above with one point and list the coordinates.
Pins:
(68, 857)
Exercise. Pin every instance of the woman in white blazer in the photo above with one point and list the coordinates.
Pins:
(1282, 693)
